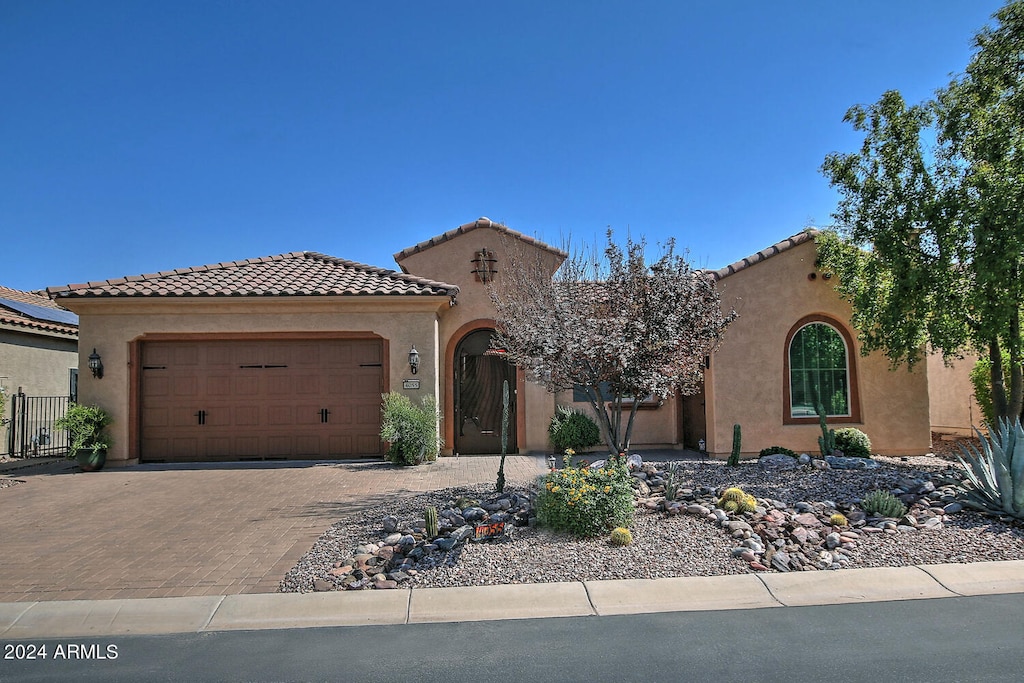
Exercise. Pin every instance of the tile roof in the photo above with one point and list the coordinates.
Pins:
(785, 245)
(469, 227)
(300, 273)
(10, 316)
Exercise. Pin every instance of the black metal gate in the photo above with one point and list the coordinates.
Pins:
(30, 432)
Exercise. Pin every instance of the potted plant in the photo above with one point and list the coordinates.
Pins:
(87, 438)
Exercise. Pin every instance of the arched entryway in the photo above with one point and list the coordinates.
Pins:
(479, 373)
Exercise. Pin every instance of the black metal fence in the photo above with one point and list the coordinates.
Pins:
(30, 431)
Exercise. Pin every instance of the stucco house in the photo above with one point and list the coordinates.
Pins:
(38, 352)
(286, 357)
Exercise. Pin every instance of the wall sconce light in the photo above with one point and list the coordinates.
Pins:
(96, 364)
(414, 360)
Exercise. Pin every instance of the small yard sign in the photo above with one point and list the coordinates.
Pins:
(490, 531)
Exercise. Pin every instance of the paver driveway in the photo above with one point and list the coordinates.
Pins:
(203, 529)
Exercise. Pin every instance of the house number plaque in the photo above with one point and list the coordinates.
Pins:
(410, 384)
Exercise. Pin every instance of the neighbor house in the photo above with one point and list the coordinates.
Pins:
(286, 357)
(38, 356)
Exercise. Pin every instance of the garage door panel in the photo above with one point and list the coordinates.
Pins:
(280, 384)
(307, 446)
(280, 446)
(248, 392)
(156, 417)
(308, 415)
(219, 356)
(186, 355)
(155, 386)
(247, 446)
(280, 415)
(185, 386)
(186, 448)
(218, 385)
(219, 446)
(368, 444)
(367, 352)
(306, 385)
(246, 385)
(246, 416)
(340, 444)
(183, 416)
(367, 415)
(366, 384)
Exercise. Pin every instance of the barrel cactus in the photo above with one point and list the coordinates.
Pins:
(747, 504)
(733, 493)
(621, 536)
(838, 519)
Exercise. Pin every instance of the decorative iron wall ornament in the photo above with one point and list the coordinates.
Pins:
(484, 265)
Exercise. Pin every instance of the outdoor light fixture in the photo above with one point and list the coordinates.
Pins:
(96, 364)
(414, 360)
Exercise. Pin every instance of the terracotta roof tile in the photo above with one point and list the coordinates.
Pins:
(764, 254)
(10, 316)
(300, 273)
(468, 227)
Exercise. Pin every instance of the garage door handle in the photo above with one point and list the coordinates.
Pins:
(323, 414)
(202, 417)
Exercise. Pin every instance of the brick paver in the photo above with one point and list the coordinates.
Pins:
(178, 530)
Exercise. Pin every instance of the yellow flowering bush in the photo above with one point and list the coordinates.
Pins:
(586, 501)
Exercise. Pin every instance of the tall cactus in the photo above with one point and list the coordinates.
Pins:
(827, 440)
(430, 515)
(737, 438)
(500, 486)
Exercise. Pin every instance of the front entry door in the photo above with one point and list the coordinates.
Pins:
(479, 374)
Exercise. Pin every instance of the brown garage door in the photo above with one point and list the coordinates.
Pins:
(232, 400)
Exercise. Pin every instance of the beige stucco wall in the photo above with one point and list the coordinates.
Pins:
(655, 427)
(40, 364)
(110, 325)
(745, 382)
(451, 261)
(953, 408)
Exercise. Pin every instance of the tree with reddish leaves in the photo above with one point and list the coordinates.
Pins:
(623, 330)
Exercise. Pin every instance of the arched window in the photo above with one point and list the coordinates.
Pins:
(820, 371)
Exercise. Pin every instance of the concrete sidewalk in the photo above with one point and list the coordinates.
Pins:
(57, 619)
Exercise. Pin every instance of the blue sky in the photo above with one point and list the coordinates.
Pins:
(145, 136)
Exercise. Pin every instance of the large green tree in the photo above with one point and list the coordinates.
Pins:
(929, 240)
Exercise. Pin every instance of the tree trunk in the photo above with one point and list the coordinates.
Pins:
(1015, 402)
(999, 404)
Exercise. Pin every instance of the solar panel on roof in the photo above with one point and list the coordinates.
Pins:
(53, 315)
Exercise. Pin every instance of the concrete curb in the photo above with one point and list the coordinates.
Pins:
(57, 619)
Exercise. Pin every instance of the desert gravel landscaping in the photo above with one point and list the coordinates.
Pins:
(684, 544)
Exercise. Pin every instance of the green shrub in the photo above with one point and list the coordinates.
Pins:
(570, 428)
(883, 504)
(853, 442)
(86, 427)
(411, 430)
(586, 501)
(772, 450)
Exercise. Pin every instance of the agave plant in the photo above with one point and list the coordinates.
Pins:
(996, 471)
